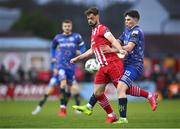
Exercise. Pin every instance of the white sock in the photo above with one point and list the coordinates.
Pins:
(124, 118)
(62, 106)
(111, 114)
(38, 107)
(149, 95)
(89, 106)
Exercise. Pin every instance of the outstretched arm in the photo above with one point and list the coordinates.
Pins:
(86, 54)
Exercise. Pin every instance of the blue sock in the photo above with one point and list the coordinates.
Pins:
(122, 107)
(68, 95)
(63, 97)
(77, 99)
(93, 100)
(41, 103)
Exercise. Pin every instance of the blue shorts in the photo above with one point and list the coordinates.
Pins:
(67, 74)
(54, 81)
(130, 75)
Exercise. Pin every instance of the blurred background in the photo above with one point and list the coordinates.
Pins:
(27, 28)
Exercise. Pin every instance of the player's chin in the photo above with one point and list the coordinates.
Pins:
(91, 25)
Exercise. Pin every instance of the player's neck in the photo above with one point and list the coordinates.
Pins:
(133, 26)
(96, 25)
(67, 33)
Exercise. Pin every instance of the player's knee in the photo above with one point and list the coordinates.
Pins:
(121, 88)
(49, 91)
(63, 84)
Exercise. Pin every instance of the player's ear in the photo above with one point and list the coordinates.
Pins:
(97, 16)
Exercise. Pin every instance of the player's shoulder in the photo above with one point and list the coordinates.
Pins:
(136, 31)
(102, 26)
(76, 35)
(57, 36)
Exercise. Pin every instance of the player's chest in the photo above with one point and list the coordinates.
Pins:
(126, 38)
(68, 42)
(96, 39)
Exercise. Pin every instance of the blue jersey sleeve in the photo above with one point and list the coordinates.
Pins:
(52, 66)
(53, 47)
(121, 37)
(134, 36)
(53, 51)
(81, 44)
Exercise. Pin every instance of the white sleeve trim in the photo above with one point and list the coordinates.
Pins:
(107, 34)
(82, 43)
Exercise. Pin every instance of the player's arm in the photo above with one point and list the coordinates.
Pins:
(53, 53)
(82, 48)
(86, 54)
(81, 45)
(129, 47)
(107, 49)
(133, 40)
(108, 35)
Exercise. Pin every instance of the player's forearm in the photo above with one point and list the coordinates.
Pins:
(53, 52)
(117, 46)
(129, 47)
(86, 54)
(114, 41)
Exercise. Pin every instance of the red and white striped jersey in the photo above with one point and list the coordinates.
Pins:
(97, 40)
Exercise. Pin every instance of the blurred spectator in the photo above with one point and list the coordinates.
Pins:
(169, 64)
(147, 67)
(33, 75)
(43, 76)
(21, 75)
(174, 90)
(4, 74)
(10, 91)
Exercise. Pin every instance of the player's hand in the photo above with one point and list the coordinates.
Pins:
(122, 54)
(53, 60)
(106, 49)
(55, 72)
(74, 60)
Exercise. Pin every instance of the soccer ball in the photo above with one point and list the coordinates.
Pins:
(92, 65)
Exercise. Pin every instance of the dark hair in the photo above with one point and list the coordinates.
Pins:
(92, 10)
(67, 21)
(132, 13)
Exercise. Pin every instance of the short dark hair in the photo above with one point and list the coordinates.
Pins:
(132, 13)
(67, 21)
(92, 10)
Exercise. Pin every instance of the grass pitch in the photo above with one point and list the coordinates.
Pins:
(17, 114)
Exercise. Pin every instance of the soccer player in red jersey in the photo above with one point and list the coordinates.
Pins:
(133, 90)
(111, 65)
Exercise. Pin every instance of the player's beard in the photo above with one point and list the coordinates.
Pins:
(93, 25)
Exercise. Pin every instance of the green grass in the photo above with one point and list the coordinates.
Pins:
(18, 114)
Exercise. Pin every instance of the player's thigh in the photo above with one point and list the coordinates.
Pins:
(53, 81)
(101, 76)
(116, 70)
(75, 89)
(62, 78)
(130, 75)
(70, 76)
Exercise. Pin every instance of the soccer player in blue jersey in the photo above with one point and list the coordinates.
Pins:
(132, 40)
(65, 46)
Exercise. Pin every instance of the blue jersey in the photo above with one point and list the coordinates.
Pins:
(136, 56)
(64, 48)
